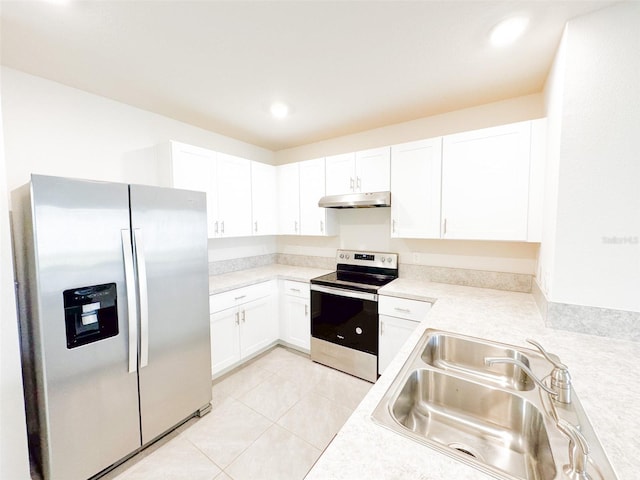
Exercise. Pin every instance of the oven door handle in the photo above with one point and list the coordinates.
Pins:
(372, 297)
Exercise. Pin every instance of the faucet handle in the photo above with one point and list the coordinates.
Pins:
(578, 452)
(546, 355)
(560, 376)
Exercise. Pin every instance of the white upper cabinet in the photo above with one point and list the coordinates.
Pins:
(194, 168)
(536, 179)
(234, 196)
(341, 173)
(314, 220)
(224, 178)
(288, 199)
(264, 199)
(485, 183)
(373, 169)
(415, 189)
(365, 171)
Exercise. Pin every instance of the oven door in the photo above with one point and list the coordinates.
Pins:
(345, 317)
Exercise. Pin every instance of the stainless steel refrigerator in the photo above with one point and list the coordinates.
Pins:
(114, 318)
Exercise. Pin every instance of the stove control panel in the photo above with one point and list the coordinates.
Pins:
(369, 259)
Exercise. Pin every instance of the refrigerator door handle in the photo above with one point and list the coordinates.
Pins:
(132, 309)
(144, 298)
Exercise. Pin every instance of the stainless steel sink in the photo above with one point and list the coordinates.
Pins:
(493, 418)
(457, 353)
(490, 425)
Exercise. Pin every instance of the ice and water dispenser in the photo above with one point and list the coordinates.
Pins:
(90, 313)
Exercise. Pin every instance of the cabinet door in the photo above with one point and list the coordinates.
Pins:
(288, 199)
(312, 217)
(393, 333)
(415, 189)
(234, 196)
(225, 339)
(340, 174)
(257, 328)
(194, 168)
(264, 199)
(373, 170)
(297, 321)
(485, 182)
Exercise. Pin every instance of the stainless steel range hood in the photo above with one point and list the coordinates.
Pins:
(356, 200)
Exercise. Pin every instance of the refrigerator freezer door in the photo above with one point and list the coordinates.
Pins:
(87, 399)
(170, 233)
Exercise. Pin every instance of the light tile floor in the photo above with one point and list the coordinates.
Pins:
(271, 419)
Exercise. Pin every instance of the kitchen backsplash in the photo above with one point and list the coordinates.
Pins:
(458, 276)
(233, 265)
(514, 282)
(605, 322)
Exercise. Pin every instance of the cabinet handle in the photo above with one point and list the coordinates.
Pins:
(306, 309)
(393, 226)
(222, 227)
(295, 290)
(244, 316)
(216, 229)
(240, 297)
(405, 310)
(237, 318)
(358, 184)
(321, 226)
(295, 226)
(444, 229)
(255, 226)
(351, 186)
(381, 328)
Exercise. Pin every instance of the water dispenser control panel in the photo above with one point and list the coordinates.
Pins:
(90, 313)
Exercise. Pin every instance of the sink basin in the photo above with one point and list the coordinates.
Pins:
(494, 418)
(493, 426)
(457, 353)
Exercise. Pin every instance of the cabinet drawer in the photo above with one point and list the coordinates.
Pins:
(403, 308)
(296, 289)
(238, 296)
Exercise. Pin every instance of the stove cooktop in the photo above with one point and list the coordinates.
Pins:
(362, 271)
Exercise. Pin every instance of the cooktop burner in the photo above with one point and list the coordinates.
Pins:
(362, 271)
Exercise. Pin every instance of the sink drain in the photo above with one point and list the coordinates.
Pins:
(465, 449)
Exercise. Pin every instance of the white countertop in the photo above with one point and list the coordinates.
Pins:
(603, 372)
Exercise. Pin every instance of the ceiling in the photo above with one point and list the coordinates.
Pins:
(343, 66)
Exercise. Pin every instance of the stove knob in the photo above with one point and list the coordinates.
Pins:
(358, 330)
(342, 255)
(347, 256)
(388, 260)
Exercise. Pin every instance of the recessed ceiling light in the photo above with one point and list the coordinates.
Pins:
(279, 110)
(508, 31)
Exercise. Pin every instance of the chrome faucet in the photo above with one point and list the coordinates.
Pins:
(560, 377)
(491, 360)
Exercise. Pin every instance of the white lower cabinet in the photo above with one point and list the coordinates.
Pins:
(295, 322)
(243, 322)
(398, 319)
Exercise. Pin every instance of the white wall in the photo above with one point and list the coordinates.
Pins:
(14, 459)
(369, 229)
(488, 115)
(53, 129)
(230, 248)
(553, 94)
(598, 171)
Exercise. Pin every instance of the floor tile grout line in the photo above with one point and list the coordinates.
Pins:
(203, 453)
